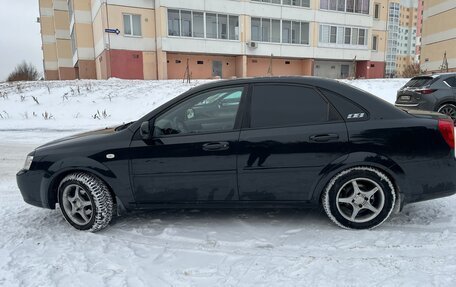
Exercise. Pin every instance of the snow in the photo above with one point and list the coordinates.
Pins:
(193, 247)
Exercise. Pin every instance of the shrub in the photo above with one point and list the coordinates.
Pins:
(24, 72)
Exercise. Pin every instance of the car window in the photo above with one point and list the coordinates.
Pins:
(211, 111)
(418, 82)
(451, 82)
(287, 105)
(348, 109)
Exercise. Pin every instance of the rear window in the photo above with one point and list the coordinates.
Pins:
(348, 109)
(288, 105)
(419, 82)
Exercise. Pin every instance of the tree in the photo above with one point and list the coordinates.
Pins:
(24, 72)
(412, 70)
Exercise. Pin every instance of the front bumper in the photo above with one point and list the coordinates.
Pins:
(29, 183)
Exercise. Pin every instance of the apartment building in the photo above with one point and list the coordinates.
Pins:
(402, 36)
(168, 39)
(438, 52)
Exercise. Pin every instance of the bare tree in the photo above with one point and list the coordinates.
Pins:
(412, 70)
(24, 72)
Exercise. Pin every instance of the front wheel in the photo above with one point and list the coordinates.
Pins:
(359, 198)
(85, 202)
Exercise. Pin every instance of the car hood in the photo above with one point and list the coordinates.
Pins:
(78, 139)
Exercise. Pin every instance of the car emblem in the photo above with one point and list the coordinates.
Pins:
(110, 156)
(355, 116)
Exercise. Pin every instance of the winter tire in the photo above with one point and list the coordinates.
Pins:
(85, 202)
(359, 198)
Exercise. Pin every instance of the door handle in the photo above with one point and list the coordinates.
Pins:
(216, 146)
(324, 138)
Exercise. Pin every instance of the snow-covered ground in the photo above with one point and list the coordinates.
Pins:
(196, 248)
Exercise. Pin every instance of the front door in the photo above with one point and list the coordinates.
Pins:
(217, 69)
(344, 71)
(292, 135)
(192, 155)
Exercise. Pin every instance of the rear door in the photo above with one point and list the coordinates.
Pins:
(289, 136)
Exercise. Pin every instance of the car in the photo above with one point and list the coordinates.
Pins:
(430, 93)
(271, 142)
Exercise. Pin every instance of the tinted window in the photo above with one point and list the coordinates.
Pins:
(418, 82)
(287, 105)
(451, 81)
(348, 109)
(207, 112)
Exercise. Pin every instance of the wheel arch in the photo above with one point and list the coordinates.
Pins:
(361, 159)
(446, 101)
(50, 185)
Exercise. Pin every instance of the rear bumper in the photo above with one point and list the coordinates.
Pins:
(422, 105)
(429, 196)
(406, 105)
(29, 183)
(429, 180)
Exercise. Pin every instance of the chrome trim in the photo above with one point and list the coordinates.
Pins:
(406, 105)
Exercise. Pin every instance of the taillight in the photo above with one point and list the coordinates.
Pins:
(425, 91)
(446, 128)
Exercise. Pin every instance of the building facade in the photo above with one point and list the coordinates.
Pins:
(438, 39)
(170, 39)
(402, 36)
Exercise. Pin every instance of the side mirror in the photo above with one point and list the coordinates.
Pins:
(145, 131)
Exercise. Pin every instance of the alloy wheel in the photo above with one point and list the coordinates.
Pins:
(449, 110)
(360, 200)
(77, 204)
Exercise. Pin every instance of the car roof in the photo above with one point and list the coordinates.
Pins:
(306, 80)
(377, 108)
(435, 75)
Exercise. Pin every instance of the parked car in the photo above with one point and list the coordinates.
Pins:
(251, 143)
(430, 93)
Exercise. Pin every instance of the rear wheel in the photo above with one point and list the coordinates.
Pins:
(85, 202)
(359, 198)
(449, 110)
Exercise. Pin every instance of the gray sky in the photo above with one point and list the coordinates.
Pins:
(19, 35)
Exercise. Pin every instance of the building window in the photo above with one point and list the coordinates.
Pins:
(300, 3)
(375, 43)
(286, 31)
(132, 25)
(233, 32)
(186, 23)
(271, 30)
(211, 25)
(198, 24)
(342, 35)
(222, 26)
(352, 6)
(173, 23)
(377, 11)
(347, 36)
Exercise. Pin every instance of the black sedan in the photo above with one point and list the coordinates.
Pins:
(251, 143)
